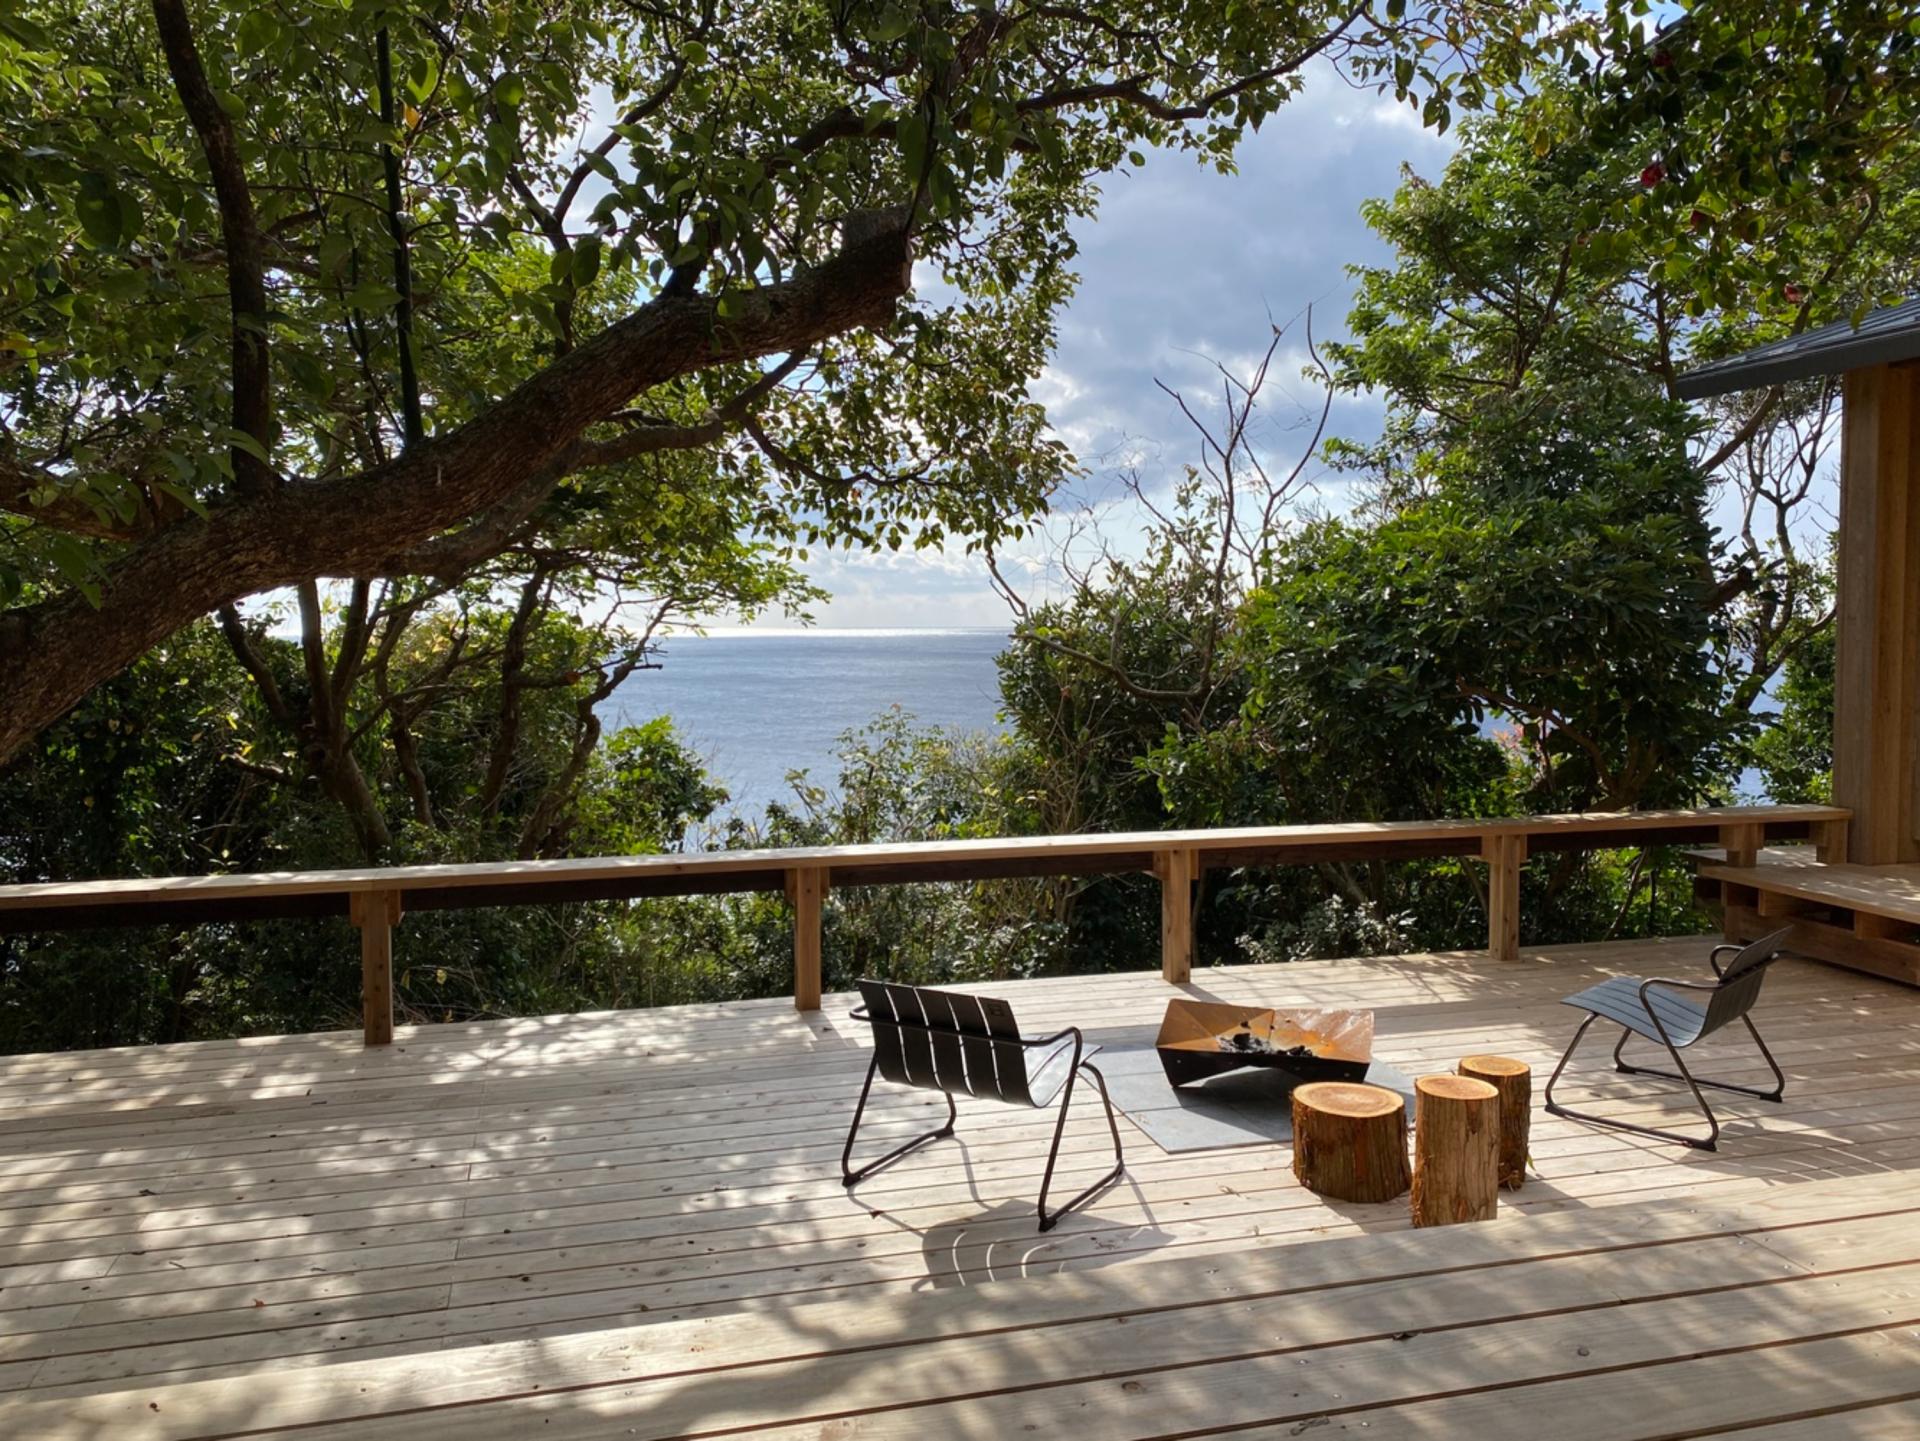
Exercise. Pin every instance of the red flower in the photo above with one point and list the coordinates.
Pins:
(1794, 294)
(1652, 175)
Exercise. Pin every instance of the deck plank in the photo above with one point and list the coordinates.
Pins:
(1396, 1309)
(196, 1219)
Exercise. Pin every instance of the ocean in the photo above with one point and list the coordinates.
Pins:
(755, 705)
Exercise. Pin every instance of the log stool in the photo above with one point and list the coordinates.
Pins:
(1456, 1150)
(1514, 1081)
(1350, 1141)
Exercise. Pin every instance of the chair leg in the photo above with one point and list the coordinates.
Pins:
(850, 1177)
(1049, 1221)
(1554, 1108)
(1778, 1093)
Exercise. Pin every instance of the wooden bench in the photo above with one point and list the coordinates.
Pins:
(376, 898)
(1863, 917)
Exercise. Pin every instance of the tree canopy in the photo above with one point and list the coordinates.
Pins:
(368, 290)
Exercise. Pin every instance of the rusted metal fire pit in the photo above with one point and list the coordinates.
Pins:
(1200, 1039)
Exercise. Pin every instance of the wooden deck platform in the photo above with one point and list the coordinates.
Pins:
(1866, 917)
(632, 1225)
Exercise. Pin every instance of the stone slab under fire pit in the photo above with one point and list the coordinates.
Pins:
(1241, 1108)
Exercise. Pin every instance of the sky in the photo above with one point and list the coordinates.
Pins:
(1181, 267)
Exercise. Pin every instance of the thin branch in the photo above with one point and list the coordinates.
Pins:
(415, 428)
(246, 273)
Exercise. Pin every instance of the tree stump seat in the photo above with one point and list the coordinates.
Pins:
(1514, 1081)
(1350, 1141)
(1456, 1148)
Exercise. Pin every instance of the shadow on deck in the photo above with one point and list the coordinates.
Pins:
(590, 1219)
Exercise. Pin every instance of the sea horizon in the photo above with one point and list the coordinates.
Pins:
(757, 704)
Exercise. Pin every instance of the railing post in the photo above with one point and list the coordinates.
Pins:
(806, 891)
(1830, 842)
(1177, 870)
(376, 913)
(1503, 855)
(1742, 842)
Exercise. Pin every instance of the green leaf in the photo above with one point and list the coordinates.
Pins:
(586, 261)
(256, 31)
(240, 440)
(75, 564)
(373, 295)
(911, 134)
(422, 76)
(107, 215)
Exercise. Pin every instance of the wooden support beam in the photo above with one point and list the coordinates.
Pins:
(1829, 841)
(1743, 842)
(1876, 691)
(1870, 927)
(1774, 906)
(1736, 903)
(1504, 855)
(806, 893)
(376, 913)
(1177, 869)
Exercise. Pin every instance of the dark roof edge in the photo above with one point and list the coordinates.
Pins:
(1887, 335)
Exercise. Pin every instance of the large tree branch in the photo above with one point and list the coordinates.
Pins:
(504, 523)
(52, 653)
(246, 273)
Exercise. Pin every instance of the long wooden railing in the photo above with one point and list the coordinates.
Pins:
(374, 900)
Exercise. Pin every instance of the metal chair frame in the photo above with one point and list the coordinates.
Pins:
(959, 1057)
(1763, 953)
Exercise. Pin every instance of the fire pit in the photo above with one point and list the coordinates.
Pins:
(1200, 1039)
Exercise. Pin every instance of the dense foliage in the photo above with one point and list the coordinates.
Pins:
(490, 341)
(387, 290)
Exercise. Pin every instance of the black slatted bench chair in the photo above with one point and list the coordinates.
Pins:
(1653, 1009)
(969, 1045)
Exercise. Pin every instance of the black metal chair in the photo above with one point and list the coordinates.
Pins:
(1650, 1009)
(969, 1045)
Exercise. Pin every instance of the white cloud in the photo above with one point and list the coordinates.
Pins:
(1181, 267)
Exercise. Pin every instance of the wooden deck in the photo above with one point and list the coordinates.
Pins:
(632, 1225)
(1867, 917)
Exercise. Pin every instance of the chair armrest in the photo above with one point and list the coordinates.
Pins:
(1057, 1036)
(1713, 956)
(1672, 984)
(1677, 985)
(858, 1013)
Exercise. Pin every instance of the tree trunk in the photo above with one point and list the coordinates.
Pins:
(339, 773)
(1456, 1151)
(1514, 1081)
(1349, 1141)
